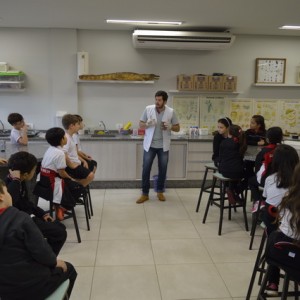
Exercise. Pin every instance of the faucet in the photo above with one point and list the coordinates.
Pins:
(101, 123)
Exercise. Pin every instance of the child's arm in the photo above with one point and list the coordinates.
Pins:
(23, 140)
(83, 161)
(63, 174)
(84, 155)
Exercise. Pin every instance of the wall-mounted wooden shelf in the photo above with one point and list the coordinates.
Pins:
(276, 85)
(116, 81)
(203, 92)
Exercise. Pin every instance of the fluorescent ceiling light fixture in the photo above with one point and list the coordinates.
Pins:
(290, 27)
(144, 22)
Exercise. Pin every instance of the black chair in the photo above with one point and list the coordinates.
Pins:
(90, 205)
(220, 201)
(46, 193)
(206, 188)
(259, 266)
(289, 264)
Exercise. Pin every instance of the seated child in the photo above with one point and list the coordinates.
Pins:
(256, 134)
(18, 134)
(289, 232)
(284, 160)
(53, 175)
(221, 134)
(74, 167)
(231, 165)
(85, 158)
(263, 161)
(28, 267)
(22, 167)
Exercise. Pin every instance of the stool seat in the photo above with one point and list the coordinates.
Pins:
(61, 292)
(211, 166)
(221, 177)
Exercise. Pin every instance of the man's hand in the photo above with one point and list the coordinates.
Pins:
(61, 264)
(166, 126)
(150, 122)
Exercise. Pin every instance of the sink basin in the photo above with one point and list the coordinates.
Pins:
(105, 135)
(4, 133)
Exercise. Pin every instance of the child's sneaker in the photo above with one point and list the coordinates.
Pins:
(60, 212)
(255, 206)
(272, 289)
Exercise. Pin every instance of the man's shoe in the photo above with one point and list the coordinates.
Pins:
(142, 199)
(161, 197)
(60, 212)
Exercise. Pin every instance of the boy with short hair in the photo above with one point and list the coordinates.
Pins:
(22, 166)
(53, 175)
(18, 134)
(28, 267)
(85, 158)
(74, 167)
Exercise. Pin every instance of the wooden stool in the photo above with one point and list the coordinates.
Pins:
(206, 188)
(220, 202)
(61, 292)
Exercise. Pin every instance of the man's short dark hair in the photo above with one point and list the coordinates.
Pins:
(14, 118)
(54, 136)
(68, 120)
(274, 135)
(163, 94)
(22, 161)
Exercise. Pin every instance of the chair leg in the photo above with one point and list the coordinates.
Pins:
(258, 261)
(263, 286)
(76, 225)
(245, 213)
(202, 189)
(90, 201)
(222, 191)
(86, 210)
(210, 199)
(285, 287)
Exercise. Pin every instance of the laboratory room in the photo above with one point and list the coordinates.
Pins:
(149, 153)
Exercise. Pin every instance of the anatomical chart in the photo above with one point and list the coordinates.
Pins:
(211, 110)
(241, 112)
(290, 116)
(268, 109)
(187, 110)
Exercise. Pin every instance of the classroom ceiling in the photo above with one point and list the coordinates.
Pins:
(261, 17)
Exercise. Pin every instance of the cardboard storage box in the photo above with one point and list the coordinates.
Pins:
(185, 83)
(215, 83)
(229, 83)
(200, 82)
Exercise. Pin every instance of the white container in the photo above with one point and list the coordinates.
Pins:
(4, 67)
(82, 63)
(203, 131)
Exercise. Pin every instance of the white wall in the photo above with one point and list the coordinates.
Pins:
(48, 57)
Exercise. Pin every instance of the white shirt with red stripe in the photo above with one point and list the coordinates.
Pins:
(54, 159)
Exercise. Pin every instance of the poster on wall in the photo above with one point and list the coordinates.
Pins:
(268, 109)
(211, 110)
(240, 112)
(187, 110)
(290, 116)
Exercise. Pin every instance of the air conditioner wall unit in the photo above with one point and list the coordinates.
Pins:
(181, 40)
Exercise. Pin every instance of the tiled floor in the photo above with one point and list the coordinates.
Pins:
(158, 250)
